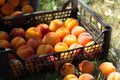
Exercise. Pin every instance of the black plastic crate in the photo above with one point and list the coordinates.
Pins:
(100, 31)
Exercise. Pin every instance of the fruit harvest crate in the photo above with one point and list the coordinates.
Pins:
(100, 31)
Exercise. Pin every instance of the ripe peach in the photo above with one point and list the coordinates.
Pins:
(55, 24)
(70, 77)
(74, 46)
(106, 68)
(77, 30)
(24, 2)
(16, 13)
(33, 32)
(15, 3)
(44, 28)
(4, 43)
(51, 38)
(27, 9)
(34, 43)
(17, 32)
(7, 9)
(60, 46)
(16, 42)
(4, 35)
(70, 39)
(70, 23)
(84, 34)
(44, 49)
(25, 51)
(2, 2)
(86, 76)
(86, 66)
(114, 76)
(83, 40)
(62, 32)
(67, 68)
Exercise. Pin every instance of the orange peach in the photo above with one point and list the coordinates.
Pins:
(4, 43)
(51, 38)
(44, 49)
(70, 39)
(86, 76)
(33, 32)
(55, 24)
(62, 32)
(2, 2)
(7, 9)
(74, 46)
(67, 68)
(18, 31)
(24, 2)
(44, 28)
(70, 23)
(60, 46)
(70, 77)
(77, 30)
(86, 66)
(114, 76)
(84, 34)
(25, 51)
(27, 9)
(16, 13)
(83, 40)
(34, 43)
(4, 35)
(15, 3)
(106, 68)
(16, 42)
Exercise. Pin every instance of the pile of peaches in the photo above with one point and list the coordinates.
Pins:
(87, 69)
(44, 38)
(12, 8)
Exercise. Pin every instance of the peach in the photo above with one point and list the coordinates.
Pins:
(51, 38)
(2, 2)
(4, 35)
(83, 40)
(16, 42)
(70, 77)
(60, 46)
(44, 28)
(55, 24)
(16, 13)
(86, 66)
(33, 32)
(114, 76)
(18, 31)
(7, 9)
(44, 49)
(25, 51)
(86, 76)
(70, 39)
(15, 3)
(77, 30)
(74, 46)
(67, 68)
(34, 43)
(24, 2)
(62, 32)
(27, 9)
(4, 43)
(84, 34)
(70, 23)
(106, 68)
